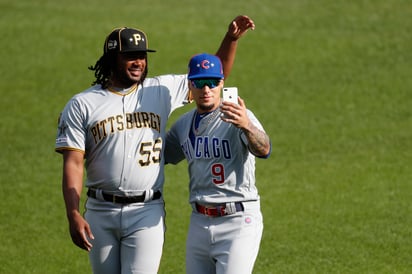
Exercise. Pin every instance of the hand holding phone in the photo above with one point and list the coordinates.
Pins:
(230, 94)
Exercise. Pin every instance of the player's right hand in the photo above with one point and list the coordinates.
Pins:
(80, 232)
(240, 25)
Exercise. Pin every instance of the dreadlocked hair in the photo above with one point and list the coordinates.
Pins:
(102, 70)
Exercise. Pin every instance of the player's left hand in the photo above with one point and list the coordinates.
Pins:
(239, 26)
(235, 113)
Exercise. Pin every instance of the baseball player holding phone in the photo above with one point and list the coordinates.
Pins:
(219, 141)
(117, 129)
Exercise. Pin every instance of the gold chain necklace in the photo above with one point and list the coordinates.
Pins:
(203, 125)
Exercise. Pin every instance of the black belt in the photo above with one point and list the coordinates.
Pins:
(123, 199)
(220, 210)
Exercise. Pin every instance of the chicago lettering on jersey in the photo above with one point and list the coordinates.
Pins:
(207, 147)
(113, 124)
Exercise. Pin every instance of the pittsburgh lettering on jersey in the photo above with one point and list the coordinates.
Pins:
(128, 121)
(207, 147)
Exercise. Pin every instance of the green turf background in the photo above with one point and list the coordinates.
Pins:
(330, 80)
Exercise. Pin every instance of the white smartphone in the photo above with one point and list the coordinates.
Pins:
(230, 94)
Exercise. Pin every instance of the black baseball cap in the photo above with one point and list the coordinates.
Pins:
(126, 40)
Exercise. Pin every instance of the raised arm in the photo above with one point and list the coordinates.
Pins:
(227, 50)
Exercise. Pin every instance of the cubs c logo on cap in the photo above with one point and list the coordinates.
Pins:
(205, 64)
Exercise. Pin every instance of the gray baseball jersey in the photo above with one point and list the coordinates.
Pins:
(221, 168)
(130, 127)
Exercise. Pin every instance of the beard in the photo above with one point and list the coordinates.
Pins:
(128, 80)
(125, 78)
(206, 108)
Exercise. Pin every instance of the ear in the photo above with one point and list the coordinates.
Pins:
(190, 93)
(190, 96)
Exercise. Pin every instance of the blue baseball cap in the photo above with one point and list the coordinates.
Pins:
(205, 66)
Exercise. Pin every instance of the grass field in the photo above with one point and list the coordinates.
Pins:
(330, 80)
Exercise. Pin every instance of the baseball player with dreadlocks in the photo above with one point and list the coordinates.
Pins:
(219, 141)
(116, 129)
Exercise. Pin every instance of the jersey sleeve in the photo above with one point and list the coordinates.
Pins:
(178, 86)
(173, 151)
(71, 133)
